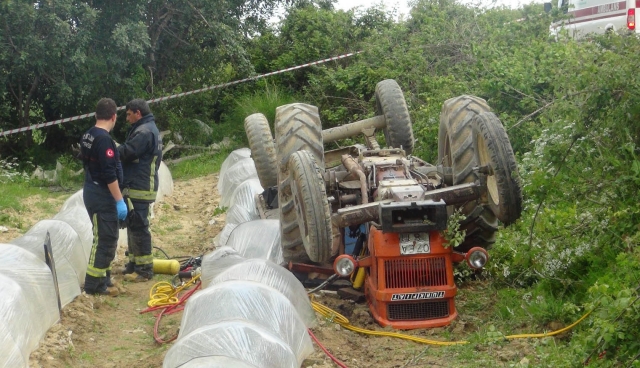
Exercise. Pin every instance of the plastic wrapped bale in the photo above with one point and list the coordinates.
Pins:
(235, 156)
(258, 239)
(253, 302)
(68, 254)
(234, 176)
(235, 339)
(214, 263)
(245, 196)
(78, 218)
(29, 305)
(272, 275)
(216, 362)
(165, 185)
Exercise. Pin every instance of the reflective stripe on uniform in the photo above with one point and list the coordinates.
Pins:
(144, 260)
(91, 270)
(147, 195)
(152, 175)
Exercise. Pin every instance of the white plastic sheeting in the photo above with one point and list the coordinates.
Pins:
(245, 196)
(216, 362)
(236, 215)
(236, 339)
(258, 239)
(216, 262)
(68, 254)
(235, 156)
(252, 311)
(269, 274)
(220, 240)
(78, 218)
(233, 177)
(252, 302)
(75, 200)
(165, 182)
(28, 306)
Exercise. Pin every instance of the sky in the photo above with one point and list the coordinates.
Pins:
(403, 8)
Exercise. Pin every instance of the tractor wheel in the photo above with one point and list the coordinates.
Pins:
(390, 103)
(263, 150)
(493, 148)
(456, 150)
(297, 128)
(311, 206)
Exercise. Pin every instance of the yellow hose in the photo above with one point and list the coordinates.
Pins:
(338, 318)
(163, 293)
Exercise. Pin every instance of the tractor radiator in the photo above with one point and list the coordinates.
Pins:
(410, 282)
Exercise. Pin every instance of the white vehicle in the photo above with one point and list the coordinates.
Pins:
(595, 16)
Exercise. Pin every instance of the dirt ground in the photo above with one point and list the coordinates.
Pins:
(110, 332)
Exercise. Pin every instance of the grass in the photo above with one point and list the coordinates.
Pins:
(201, 166)
(14, 192)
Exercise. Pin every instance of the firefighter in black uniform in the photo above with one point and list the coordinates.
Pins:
(141, 155)
(102, 197)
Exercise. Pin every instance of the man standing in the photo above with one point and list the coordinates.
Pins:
(141, 155)
(102, 197)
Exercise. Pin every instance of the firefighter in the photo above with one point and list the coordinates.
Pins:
(140, 154)
(102, 197)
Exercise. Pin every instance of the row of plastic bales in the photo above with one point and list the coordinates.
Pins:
(252, 312)
(29, 306)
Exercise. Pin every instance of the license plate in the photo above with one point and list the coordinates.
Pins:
(417, 243)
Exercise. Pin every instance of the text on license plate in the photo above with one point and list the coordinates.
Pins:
(414, 243)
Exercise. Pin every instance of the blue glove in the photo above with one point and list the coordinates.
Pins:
(122, 210)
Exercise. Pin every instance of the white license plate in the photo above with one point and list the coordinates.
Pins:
(417, 243)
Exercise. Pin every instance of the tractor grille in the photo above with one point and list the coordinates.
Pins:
(415, 272)
(418, 311)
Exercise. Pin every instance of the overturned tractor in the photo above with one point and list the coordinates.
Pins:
(401, 202)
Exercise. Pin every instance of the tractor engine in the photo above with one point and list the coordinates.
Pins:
(409, 272)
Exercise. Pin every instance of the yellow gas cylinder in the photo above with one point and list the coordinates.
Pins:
(359, 280)
(166, 266)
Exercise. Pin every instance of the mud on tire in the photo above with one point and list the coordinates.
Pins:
(297, 128)
(263, 150)
(390, 103)
(456, 150)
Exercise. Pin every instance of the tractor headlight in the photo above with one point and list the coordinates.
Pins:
(344, 265)
(477, 257)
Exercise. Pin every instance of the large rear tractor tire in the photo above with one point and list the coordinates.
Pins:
(263, 150)
(390, 103)
(493, 149)
(311, 206)
(297, 128)
(456, 150)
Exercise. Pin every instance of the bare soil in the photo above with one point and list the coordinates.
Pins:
(111, 331)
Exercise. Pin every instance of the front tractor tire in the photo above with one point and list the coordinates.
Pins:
(471, 136)
(391, 104)
(263, 150)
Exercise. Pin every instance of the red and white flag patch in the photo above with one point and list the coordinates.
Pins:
(110, 153)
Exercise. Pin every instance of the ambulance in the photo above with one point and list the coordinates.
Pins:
(595, 17)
